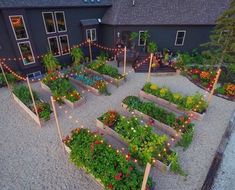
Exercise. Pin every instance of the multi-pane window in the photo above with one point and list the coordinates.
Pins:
(64, 44)
(91, 34)
(49, 22)
(141, 42)
(55, 23)
(26, 52)
(180, 36)
(18, 26)
(22, 38)
(34, 75)
(54, 45)
(60, 21)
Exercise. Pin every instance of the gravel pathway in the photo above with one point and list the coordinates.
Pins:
(32, 158)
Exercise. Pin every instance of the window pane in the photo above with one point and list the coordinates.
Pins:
(64, 44)
(19, 27)
(179, 41)
(181, 34)
(26, 53)
(49, 22)
(60, 21)
(88, 34)
(53, 43)
(93, 35)
(141, 42)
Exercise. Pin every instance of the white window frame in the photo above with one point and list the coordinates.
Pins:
(141, 31)
(14, 29)
(44, 21)
(65, 24)
(30, 50)
(176, 38)
(61, 50)
(48, 39)
(93, 40)
(34, 73)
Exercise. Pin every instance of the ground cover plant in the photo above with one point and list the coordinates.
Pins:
(61, 87)
(144, 144)
(180, 124)
(10, 78)
(115, 170)
(23, 93)
(194, 102)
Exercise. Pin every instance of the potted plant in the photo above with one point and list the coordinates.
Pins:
(50, 62)
(77, 56)
(134, 36)
(144, 37)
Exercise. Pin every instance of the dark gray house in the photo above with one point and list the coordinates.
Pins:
(30, 28)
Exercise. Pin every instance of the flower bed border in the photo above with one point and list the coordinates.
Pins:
(69, 103)
(90, 88)
(30, 112)
(159, 125)
(158, 164)
(171, 106)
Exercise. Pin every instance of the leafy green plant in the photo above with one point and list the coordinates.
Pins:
(50, 62)
(10, 78)
(195, 102)
(134, 36)
(77, 56)
(114, 170)
(152, 47)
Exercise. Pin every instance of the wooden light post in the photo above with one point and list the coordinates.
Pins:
(146, 175)
(124, 62)
(214, 85)
(5, 78)
(57, 123)
(34, 104)
(150, 66)
(90, 51)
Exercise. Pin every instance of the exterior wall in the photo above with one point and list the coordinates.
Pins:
(37, 34)
(164, 36)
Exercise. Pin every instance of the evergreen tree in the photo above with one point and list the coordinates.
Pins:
(221, 48)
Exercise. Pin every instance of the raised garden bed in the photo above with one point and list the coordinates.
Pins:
(116, 82)
(43, 108)
(108, 72)
(194, 106)
(178, 127)
(62, 90)
(143, 144)
(111, 169)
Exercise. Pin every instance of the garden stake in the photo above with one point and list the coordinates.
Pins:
(124, 61)
(150, 66)
(90, 52)
(34, 104)
(214, 85)
(57, 122)
(5, 78)
(146, 175)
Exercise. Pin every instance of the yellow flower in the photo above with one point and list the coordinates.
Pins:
(163, 91)
(177, 96)
(153, 87)
(189, 101)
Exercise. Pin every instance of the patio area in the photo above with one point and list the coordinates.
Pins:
(32, 157)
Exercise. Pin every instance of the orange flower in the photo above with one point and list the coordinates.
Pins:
(230, 89)
(205, 75)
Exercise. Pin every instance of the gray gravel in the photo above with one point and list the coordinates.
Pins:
(32, 158)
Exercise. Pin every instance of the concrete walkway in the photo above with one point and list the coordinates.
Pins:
(32, 158)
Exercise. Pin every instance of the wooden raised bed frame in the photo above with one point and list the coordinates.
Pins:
(116, 82)
(69, 103)
(170, 106)
(158, 164)
(30, 112)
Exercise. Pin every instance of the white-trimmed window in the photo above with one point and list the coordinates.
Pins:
(26, 52)
(180, 37)
(49, 22)
(64, 44)
(54, 45)
(141, 42)
(34, 75)
(60, 21)
(18, 27)
(91, 34)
